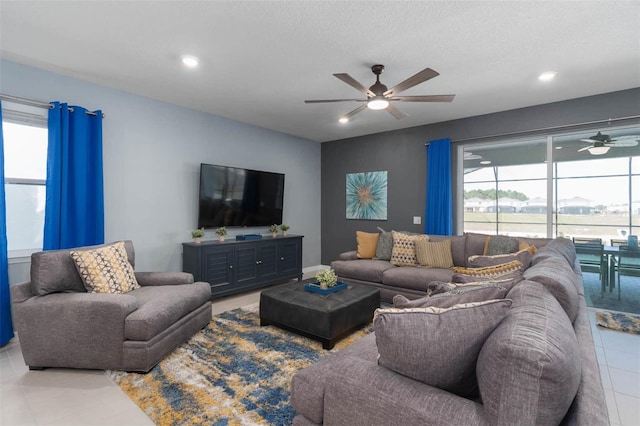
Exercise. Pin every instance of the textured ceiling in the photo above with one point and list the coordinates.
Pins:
(260, 60)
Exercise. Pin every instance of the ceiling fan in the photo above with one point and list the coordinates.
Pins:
(600, 144)
(380, 97)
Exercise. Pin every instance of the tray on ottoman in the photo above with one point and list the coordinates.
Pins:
(324, 318)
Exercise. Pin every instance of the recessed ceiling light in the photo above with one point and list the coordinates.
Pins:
(485, 162)
(190, 61)
(558, 147)
(343, 120)
(547, 76)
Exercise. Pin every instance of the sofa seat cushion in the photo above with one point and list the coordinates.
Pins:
(415, 278)
(529, 368)
(162, 306)
(362, 269)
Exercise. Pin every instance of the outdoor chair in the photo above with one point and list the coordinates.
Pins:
(628, 263)
(590, 254)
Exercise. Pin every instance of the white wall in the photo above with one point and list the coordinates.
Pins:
(152, 154)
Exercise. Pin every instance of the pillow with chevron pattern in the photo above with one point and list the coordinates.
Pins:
(105, 269)
(491, 271)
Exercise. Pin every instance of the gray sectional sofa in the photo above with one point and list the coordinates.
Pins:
(59, 324)
(410, 281)
(536, 367)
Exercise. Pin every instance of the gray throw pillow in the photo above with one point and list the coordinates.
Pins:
(385, 245)
(456, 296)
(437, 346)
(500, 244)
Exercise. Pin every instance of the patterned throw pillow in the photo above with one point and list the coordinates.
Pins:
(478, 261)
(434, 254)
(404, 248)
(500, 244)
(491, 271)
(385, 245)
(105, 269)
(456, 296)
(367, 244)
(419, 342)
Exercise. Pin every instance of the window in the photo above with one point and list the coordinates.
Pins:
(509, 187)
(25, 167)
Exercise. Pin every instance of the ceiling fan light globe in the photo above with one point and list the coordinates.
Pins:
(598, 150)
(377, 102)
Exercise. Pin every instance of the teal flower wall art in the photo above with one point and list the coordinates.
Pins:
(367, 196)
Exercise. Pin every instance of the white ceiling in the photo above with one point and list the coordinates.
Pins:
(259, 60)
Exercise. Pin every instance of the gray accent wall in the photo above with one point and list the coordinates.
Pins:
(152, 154)
(402, 154)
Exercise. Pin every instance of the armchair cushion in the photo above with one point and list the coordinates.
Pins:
(161, 306)
(105, 269)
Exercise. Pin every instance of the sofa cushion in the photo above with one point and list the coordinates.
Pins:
(385, 245)
(437, 346)
(529, 368)
(403, 252)
(496, 271)
(367, 243)
(105, 269)
(434, 254)
(54, 271)
(457, 247)
(481, 261)
(452, 297)
(500, 244)
(414, 278)
(555, 274)
(362, 269)
(162, 306)
(561, 246)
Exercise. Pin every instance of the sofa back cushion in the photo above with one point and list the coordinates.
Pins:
(54, 271)
(559, 279)
(561, 246)
(529, 368)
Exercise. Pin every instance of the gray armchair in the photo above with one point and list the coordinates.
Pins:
(59, 324)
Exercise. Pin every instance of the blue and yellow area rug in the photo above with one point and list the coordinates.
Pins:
(234, 372)
(628, 323)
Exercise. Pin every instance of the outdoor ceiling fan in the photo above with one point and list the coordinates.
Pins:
(380, 97)
(600, 144)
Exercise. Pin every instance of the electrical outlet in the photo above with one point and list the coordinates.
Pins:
(417, 220)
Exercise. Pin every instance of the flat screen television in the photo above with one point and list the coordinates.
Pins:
(236, 197)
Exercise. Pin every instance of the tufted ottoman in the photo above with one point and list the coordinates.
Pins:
(324, 318)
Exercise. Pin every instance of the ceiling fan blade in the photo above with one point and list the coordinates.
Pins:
(355, 84)
(319, 101)
(395, 112)
(588, 140)
(416, 79)
(428, 98)
(585, 148)
(354, 112)
(630, 140)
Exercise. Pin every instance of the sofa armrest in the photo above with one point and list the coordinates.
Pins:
(81, 329)
(348, 255)
(21, 292)
(163, 278)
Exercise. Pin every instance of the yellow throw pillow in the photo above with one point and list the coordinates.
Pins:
(490, 271)
(434, 254)
(367, 244)
(105, 269)
(524, 246)
(403, 252)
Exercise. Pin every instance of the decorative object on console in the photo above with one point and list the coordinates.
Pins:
(367, 195)
(274, 230)
(221, 233)
(284, 229)
(197, 235)
(248, 237)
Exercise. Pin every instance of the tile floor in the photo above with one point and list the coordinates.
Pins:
(70, 397)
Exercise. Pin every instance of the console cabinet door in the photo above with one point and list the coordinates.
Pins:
(268, 261)
(246, 261)
(218, 268)
(290, 257)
